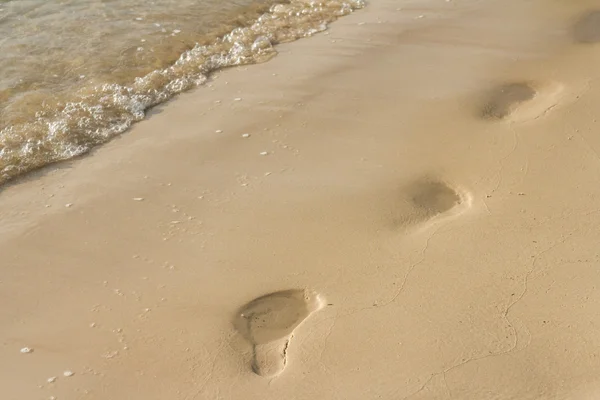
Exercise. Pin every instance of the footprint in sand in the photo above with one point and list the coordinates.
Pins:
(520, 101)
(587, 28)
(268, 323)
(431, 199)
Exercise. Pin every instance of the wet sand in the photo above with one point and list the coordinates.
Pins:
(405, 207)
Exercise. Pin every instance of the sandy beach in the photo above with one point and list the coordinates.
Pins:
(403, 207)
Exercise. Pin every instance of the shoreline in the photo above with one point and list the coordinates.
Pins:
(451, 255)
(96, 109)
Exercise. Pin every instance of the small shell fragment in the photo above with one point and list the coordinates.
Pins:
(68, 373)
(111, 354)
(52, 379)
(246, 135)
(26, 350)
(138, 199)
(264, 153)
(238, 99)
(69, 205)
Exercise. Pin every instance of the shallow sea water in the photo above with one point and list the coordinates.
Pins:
(75, 73)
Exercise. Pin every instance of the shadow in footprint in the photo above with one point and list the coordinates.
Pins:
(268, 323)
(433, 197)
(427, 199)
(504, 99)
(587, 28)
(521, 101)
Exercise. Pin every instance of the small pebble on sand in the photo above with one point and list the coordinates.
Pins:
(26, 350)
(68, 373)
(69, 205)
(218, 131)
(246, 135)
(138, 199)
(264, 153)
(238, 99)
(52, 379)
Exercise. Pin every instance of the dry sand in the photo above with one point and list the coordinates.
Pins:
(423, 224)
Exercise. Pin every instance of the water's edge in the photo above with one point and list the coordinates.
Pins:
(96, 114)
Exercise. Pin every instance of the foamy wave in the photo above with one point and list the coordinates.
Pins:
(98, 113)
